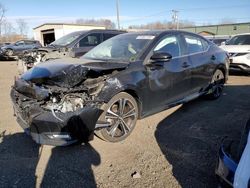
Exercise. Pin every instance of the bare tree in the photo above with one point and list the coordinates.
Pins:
(2, 16)
(7, 28)
(105, 22)
(162, 25)
(22, 27)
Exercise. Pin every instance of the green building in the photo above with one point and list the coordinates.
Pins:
(222, 29)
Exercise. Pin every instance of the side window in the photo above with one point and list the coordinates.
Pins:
(90, 40)
(169, 44)
(19, 43)
(205, 45)
(194, 44)
(107, 36)
(29, 42)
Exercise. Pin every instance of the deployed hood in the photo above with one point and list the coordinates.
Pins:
(236, 48)
(69, 72)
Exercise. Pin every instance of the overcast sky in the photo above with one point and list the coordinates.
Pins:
(132, 12)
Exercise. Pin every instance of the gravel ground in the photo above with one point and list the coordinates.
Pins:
(175, 148)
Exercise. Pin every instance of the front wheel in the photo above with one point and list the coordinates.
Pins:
(217, 85)
(122, 113)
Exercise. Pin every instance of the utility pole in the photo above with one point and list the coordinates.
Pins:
(175, 18)
(117, 14)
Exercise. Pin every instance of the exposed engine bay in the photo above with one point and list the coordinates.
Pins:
(63, 97)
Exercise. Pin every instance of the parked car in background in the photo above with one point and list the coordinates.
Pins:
(218, 40)
(233, 166)
(127, 77)
(238, 48)
(4, 43)
(19, 47)
(73, 45)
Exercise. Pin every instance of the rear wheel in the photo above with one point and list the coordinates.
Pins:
(9, 52)
(122, 113)
(217, 85)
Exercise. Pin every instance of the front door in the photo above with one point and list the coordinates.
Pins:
(169, 81)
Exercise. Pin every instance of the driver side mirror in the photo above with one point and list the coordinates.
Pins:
(161, 56)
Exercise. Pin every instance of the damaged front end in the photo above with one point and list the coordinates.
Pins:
(29, 59)
(59, 105)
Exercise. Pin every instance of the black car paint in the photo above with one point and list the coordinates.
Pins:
(155, 85)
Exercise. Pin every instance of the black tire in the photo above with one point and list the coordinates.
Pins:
(216, 86)
(122, 122)
(9, 52)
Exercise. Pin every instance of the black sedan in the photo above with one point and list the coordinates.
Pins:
(125, 78)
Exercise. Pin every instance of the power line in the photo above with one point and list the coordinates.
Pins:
(175, 18)
(186, 9)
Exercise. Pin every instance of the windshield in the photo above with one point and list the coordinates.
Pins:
(67, 39)
(125, 47)
(239, 40)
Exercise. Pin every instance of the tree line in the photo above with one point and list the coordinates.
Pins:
(8, 32)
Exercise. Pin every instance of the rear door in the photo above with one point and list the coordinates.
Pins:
(197, 51)
(87, 43)
(169, 81)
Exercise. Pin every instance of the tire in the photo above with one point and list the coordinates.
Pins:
(216, 86)
(122, 113)
(9, 52)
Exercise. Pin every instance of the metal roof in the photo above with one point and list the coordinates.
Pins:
(69, 24)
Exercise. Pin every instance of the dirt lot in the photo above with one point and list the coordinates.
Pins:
(175, 148)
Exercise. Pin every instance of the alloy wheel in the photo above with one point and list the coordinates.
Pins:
(122, 116)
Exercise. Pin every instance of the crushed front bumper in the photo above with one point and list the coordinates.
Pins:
(56, 128)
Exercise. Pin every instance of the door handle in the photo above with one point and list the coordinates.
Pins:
(213, 57)
(185, 65)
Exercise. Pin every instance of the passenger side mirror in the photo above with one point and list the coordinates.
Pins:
(223, 43)
(161, 56)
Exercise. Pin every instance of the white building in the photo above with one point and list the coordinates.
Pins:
(50, 32)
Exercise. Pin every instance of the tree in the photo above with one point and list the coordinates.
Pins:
(2, 16)
(7, 28)
(104, 22)
(22, 27)
(162, 25)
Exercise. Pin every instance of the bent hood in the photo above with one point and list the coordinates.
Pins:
(69, 72)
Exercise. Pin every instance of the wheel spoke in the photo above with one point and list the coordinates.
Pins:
(124, 126)
(122, 104)
(130, 113)
(113, 129)
(110, 117)
(112, 113)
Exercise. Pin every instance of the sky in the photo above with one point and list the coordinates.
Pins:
(132, 12)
